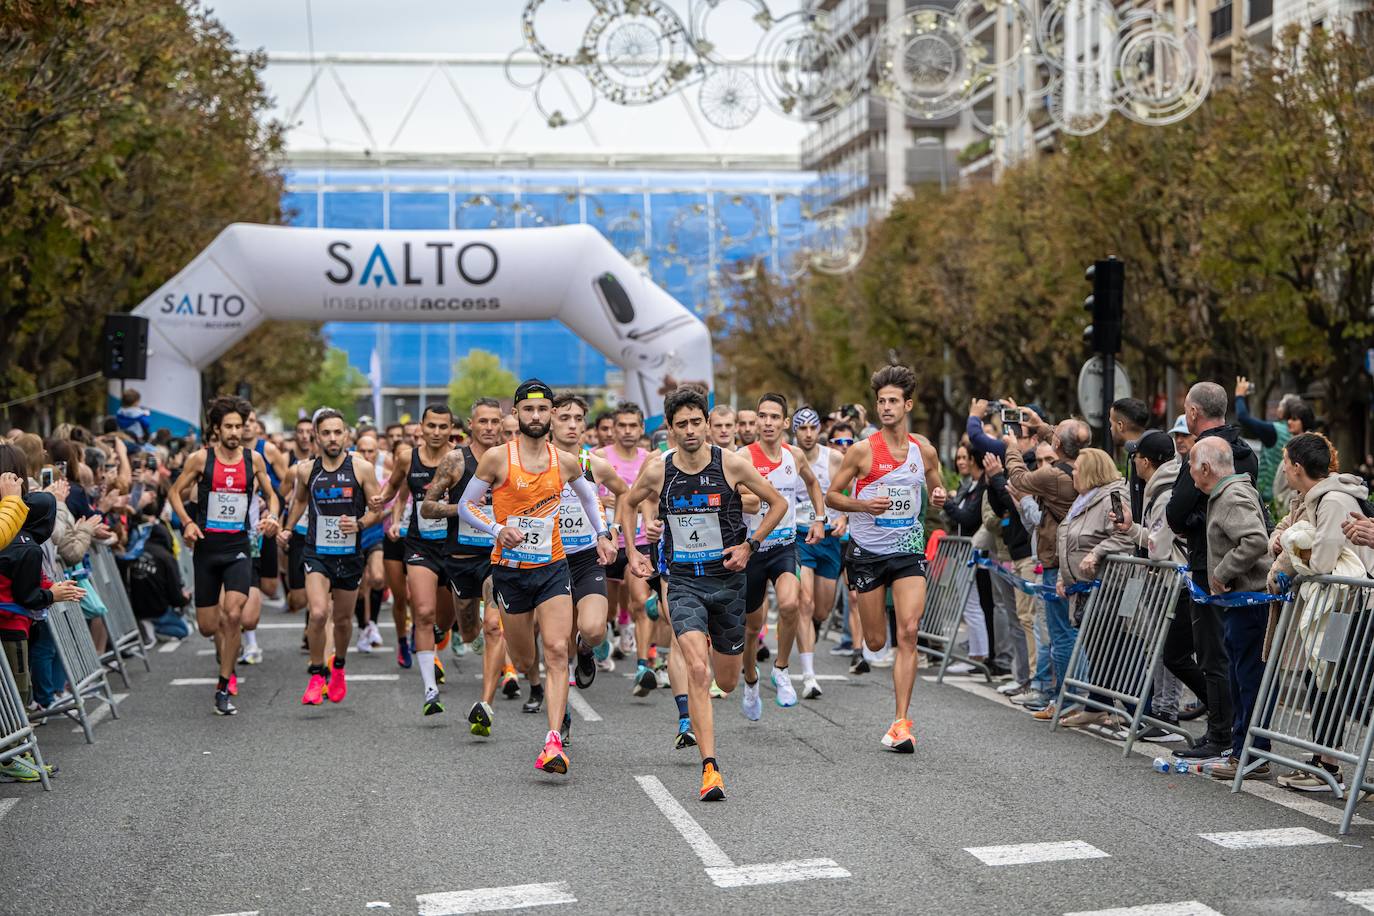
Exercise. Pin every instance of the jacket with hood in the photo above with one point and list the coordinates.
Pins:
(1237, 541)
(13, 511)
(1187, 509)
(154, 577)
(1052, 486)
(25, 591)
(1091, 532)
(965, 508)
(1152, 534)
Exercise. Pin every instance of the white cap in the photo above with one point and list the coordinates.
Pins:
(1180, 426)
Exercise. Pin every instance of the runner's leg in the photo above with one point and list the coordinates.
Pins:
(787, 590)
(909, 599)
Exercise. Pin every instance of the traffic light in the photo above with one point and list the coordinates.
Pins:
(1108, 278)
(126, 346)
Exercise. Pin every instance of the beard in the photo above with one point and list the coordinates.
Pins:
(534, 429)
(333, 451)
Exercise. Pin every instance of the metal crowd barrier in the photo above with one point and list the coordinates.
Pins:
(125, 636)
(1318, 687)
(16, 732)
(948, 581)
(85, 674)
(1120, 641)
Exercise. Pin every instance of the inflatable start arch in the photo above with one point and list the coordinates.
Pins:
(251, 273)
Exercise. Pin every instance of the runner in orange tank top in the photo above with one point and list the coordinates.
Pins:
(529, 573)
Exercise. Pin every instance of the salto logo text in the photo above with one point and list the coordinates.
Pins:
(474, 263)
(203, 305)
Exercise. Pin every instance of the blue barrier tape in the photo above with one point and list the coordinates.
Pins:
(1034, 589)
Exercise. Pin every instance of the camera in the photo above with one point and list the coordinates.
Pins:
(1010, 415)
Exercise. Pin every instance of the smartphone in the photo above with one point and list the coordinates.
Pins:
(45, 478)
(1116, 506)
(60, 470)
(1011, 415)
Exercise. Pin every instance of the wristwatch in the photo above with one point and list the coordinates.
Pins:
(753, 545)
(607, 534)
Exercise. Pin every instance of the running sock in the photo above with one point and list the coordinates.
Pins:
(681, 700)
(426, 658)
(359, 612)
(709, 762)
(378, 595)
(808, 663)
(338, 662)
(250, 639)
(317, 669)
(222, 684)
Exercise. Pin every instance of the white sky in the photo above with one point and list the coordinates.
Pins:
(503, 117)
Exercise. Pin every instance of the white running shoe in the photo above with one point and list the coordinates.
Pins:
(627, 640)
(811, 688)
(252, 656)
(881, 659)
(750, 701)
(364, 644)
(662, 674)
(1009, 688)
(605, 664)
(960, 668)
(782, 683)
(479, 644)
(374, 635)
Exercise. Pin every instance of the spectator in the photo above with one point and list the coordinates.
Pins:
(1295, 418)
(13, 509)
(1237, 561)
(155, 584)
(1183, 438)
(1084, 538)
(1014, 545)
(1205, 413)
(133, 418)
(964, 510)
(1128, 419)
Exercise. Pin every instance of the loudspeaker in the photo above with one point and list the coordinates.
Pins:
(126, 346)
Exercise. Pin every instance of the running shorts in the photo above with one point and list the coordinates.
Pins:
(765, 567)
(393, 550)
(520, 591)
(586, 575)
(344, 572)
(618, 569)
(267, 565)
(868, 571)
(711, 605)
(823, 557)
(467, 573)
(219, 568)
(295, 562)
(430, 556)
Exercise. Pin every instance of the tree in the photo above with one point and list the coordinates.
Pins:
(479, 375)
(134, 132)
(269, 359)
(336, 385)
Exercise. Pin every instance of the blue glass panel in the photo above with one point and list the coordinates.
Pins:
(419, 210)
(353, 210)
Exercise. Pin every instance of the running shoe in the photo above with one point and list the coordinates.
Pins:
(432, 704)
(750, 701)
(338, 686)
(1031, 698)
(1303, 781)
(438, 670)
(782, 683)
(565, 731)
(842, 649)
(763, 653)
(552, 759)
(223, 705)
(716, 692)
(627, 640)
(460, 648)
(19, 770)
(811, 688)
(233, 685)
(899, 737)
(251, 656)
(859, 665)
(536, 700)
(607, 665)
(883, 659)
(403, 656)
(684, 738)
(712, 786)
(1011, 688)
(585, 670)
(603, 650)
(651, 607)
(374, 635)
(510, 686)
(480, 717)
(364, 644)
(645, 681)
(314, 691)
(27, 757)
(661, 674)
(479, 645)
(441, 639)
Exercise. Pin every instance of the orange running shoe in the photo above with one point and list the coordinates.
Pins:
(314, 691)
(438, 670)
(338, 686)
(233, 685)
(510, 686)
(553, 759)
(441, 640)
(899, 737)
(712, 786)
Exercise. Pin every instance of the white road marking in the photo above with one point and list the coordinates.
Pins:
(582, 707)
(1363, 899)
(1029, 853)
(1260, 839)
(351, 650)
(210, 681)
(194, 681)
(354, 678)
(722, 871)
(1182, 908)
(170, 646)
(1293, 801)
(710, 854)
(240, 913)
(823, 677)
(101, 712)
(299, 624)
(5, 805)
(487, 899)
(774, 873)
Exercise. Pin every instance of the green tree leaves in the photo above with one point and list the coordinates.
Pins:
(479, 375)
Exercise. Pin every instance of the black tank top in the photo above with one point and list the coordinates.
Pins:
(333, 494)
(223, 494)
(704, 515)
(463, 540)
(432, 532)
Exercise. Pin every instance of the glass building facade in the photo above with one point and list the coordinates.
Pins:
(696, 233)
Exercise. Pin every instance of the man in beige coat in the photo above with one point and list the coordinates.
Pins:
(1237, 561)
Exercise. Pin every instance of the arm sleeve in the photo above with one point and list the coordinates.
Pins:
(586, 495)
(981, 441)
(13, 512)
(1262, 430)
(470, 507)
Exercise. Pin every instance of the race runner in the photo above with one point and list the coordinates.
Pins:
(891, 468)
(722, 426)
(819, 562)
(369, 601)
(696, 488)
(786, 468)
(336, 488)
(530, 571)
(469, 553)
(431, 602)
(224, 475)
(268, 568)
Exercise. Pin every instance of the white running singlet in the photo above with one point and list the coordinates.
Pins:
(899, 529)
(785, 479)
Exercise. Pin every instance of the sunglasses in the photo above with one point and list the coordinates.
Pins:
(842, 442)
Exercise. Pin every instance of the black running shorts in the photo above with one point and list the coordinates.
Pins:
(219, 568)
(429, 556)
(586, 574)
(711, 605)
(868, 571)
(344, 572)
(295, 562)
(394, 550)
(765, 567)
(520, 591)
(467, 573)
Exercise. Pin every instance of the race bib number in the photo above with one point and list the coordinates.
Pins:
(573, 525)
(329, 539)
(902, 512)
(696, 538)
(537, 546)
(302, 527)
(474, 537)
(785, 533)
(806, 513)
(226, 511)
(433, 529)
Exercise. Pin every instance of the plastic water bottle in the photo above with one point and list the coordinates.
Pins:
(1162, 765)
(1181, 767)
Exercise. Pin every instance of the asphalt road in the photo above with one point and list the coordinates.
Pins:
(370, 807)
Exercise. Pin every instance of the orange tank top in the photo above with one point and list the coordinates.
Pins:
(528, 502)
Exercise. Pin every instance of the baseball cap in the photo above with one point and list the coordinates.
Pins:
(533, 389)
(1180, 426)
(1156, 446)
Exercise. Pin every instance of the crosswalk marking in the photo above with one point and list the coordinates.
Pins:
(170, 646)
(1029, 853)
(488, 899)
(1259, 839)
(582, 707)
(1182, 908)
(1363, 899)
